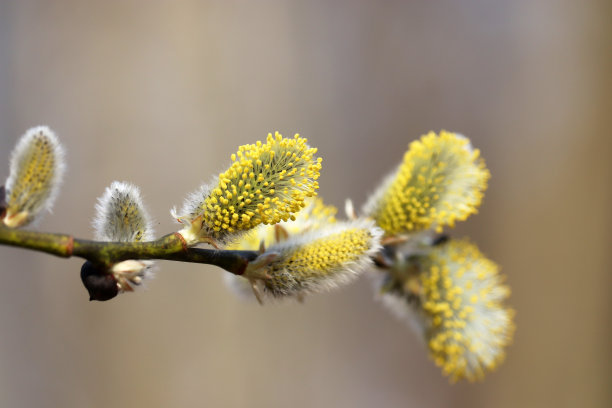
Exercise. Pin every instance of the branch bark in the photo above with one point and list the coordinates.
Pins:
(169, 247)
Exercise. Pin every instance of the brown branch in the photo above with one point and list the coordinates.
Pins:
(169, 247)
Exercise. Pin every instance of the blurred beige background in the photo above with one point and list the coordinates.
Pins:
(160, 93)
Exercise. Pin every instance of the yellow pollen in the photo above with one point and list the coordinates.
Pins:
(440, 181)
(266, 183)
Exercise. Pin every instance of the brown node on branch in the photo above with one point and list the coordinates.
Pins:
(100, 284)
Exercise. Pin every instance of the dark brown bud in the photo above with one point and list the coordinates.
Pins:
(100, 284)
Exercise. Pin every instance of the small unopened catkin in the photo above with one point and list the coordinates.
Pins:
(36, 170)
(122, 217)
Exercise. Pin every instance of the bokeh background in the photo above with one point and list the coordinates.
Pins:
(160, 93)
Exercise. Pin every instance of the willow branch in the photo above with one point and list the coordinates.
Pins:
(169, 247)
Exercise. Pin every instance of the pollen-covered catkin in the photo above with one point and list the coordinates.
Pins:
(314, 216)
(440, 181)
(266, 183)
(318, 260)
(456, 299)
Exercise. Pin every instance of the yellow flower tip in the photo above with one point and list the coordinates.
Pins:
(319, 259)
(36, 170)
(266, 183)
(122, 217)
(441, 180)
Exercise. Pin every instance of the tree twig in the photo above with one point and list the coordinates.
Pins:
(169, 247)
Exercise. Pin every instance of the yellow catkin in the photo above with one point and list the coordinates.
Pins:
(266, 183)
(440, 181)
(462, 298)
(36, 170)
(319, 259)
